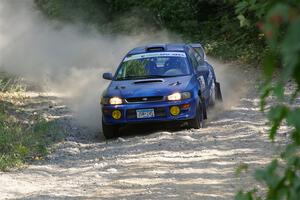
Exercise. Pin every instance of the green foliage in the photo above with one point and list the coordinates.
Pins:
(276, 116)
(281, 27)
(213, 23)
(88, 11)
(20, 143)
(8, 83)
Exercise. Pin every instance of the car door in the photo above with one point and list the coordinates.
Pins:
(199, 73)
(205, 68)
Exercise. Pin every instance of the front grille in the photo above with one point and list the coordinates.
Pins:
(159, 112)
(144, 99)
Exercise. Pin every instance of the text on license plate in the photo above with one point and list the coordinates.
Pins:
(145, 113)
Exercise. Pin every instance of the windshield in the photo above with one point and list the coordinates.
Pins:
(152, 65)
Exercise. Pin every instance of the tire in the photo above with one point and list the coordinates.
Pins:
(218, 92)
(198, 121)
(110, 131)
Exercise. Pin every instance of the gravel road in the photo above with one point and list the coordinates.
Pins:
(154, 162)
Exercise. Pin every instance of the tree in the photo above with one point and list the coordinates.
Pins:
(280, 24)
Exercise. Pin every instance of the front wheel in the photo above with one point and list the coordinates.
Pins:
(110, 131)
(198, 121)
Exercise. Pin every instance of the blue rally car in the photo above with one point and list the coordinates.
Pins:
(163, 82)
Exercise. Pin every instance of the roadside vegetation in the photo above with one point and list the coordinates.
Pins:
(24, 136)
(280, 24)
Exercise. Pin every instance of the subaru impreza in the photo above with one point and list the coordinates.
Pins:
(156, 83)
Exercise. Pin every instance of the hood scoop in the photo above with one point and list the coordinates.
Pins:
(148, 81)
(175, 84)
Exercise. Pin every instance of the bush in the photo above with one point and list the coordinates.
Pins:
(280, 24)
(21, 143)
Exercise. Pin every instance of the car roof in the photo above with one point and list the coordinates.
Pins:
(159, 48)
(196, 45)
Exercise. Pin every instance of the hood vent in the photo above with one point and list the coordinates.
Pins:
(175, 84)
(148, 81)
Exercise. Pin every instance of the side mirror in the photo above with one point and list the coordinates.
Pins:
(107, 76)
(202, 68)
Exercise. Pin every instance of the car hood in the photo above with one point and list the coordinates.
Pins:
(148, 87)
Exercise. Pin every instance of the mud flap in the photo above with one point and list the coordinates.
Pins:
(204, 111)
(218, 92)
(203, 105)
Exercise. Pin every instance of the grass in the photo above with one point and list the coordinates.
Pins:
(11, 84)
(23, 141)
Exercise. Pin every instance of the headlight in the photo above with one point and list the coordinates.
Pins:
(115, 101)
(179, 96)
(111, 101)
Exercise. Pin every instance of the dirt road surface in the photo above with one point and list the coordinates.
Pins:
(153, 163)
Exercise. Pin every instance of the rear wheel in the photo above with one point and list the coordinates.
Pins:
(198, 121)
(110, 131)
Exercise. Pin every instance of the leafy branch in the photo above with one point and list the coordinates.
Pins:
(280, 25)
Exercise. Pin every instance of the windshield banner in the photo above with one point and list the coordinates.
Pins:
(153, 55)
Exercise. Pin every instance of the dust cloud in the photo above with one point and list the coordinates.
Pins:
(234, 86)
(64, 58)
(233, 81)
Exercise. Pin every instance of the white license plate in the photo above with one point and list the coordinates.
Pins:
(145, 113)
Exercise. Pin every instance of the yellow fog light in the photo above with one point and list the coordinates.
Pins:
(116, 114)
(175, 110)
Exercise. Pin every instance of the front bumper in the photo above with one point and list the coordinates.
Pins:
(161, 110)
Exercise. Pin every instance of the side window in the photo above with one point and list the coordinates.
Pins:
(200, 50)
(193, 58)
(204, 54)
(200, 55)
